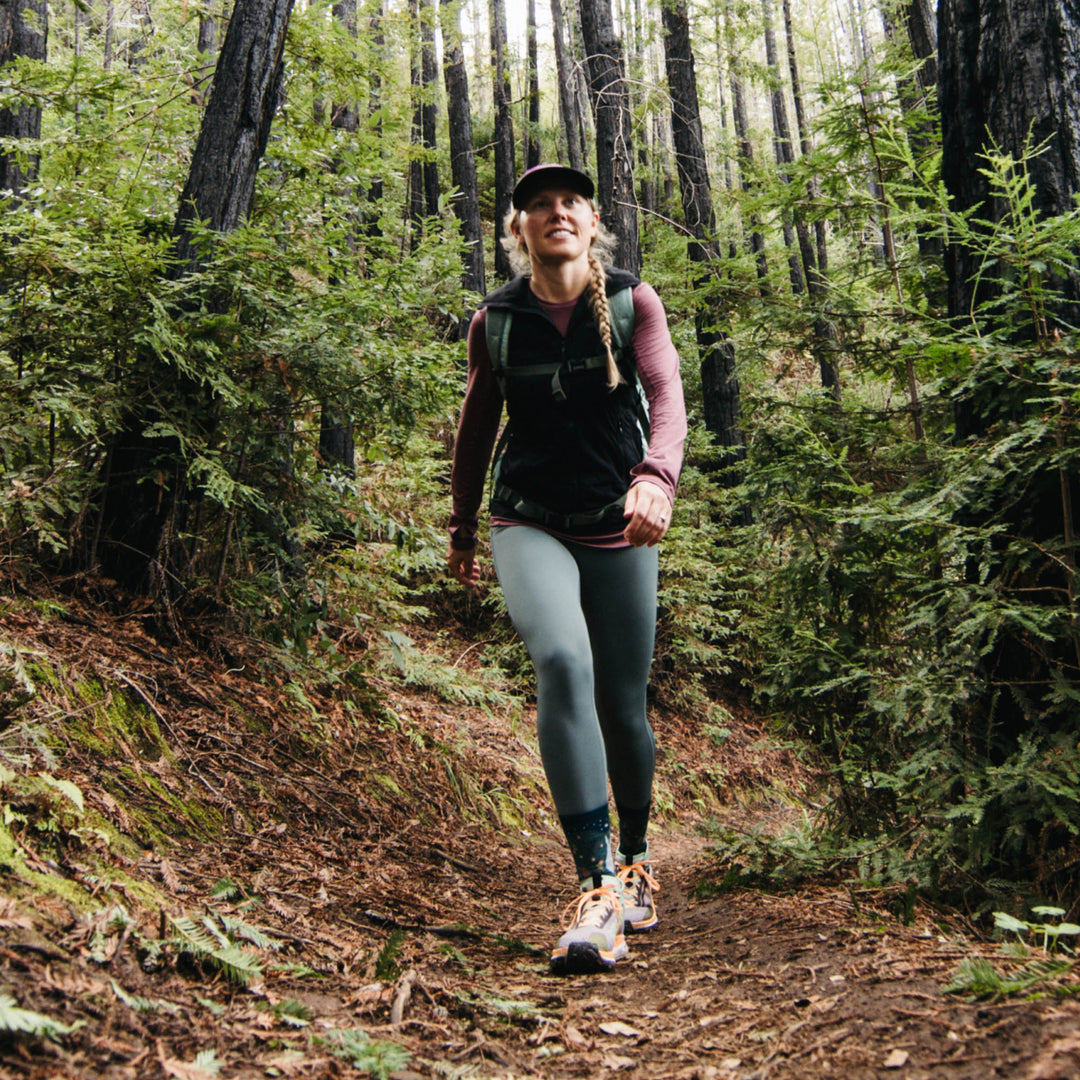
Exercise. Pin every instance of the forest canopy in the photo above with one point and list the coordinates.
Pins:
(240, 243)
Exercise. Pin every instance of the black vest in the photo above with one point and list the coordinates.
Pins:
(571, 441)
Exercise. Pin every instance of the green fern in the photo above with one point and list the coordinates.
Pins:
(24, 1022)
(141, 1004)
(374, 1056)
(203, 941)
(980, 979)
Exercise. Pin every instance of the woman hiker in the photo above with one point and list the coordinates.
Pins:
(582, 491)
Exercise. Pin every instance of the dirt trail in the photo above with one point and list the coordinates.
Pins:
(400, 921)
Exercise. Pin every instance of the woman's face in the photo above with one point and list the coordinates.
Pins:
(557, 225)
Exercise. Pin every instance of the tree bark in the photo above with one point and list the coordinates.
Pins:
(532, 113)
(571, 122)
(236, 126)
(375, 102)
(614, 140)
(815, 258)
(505, 168)
(462, 157)
(785, 157)
(719, 384)
(746, 147)
(24, 32)
(337, 433)
(1005, 71)
(423, 170)
(146, 495)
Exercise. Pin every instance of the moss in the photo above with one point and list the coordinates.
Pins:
(168, 823)
(111, 724)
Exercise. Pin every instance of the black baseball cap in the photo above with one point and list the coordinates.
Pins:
(540, 177)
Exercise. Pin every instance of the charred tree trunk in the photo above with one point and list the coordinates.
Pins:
(815, 258)
(1008, 78)
(785, 157)
(614, 140)
(746, 147)
(1007, 71)
(373, 228)
(337, 434)
(571, 121)
(423, 173)
(504, 134)
(719, 384)
(532, 113)
(916, 101)
(145, 499)
(462, 158)
(23, 33)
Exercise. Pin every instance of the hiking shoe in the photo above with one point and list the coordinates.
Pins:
(594, 939)
(639, 885)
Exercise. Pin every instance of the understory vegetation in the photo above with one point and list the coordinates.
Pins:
(901, 607)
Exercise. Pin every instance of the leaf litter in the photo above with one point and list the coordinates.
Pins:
(378, 899)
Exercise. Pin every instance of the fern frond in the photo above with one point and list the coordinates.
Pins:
(25, 1022)
(238, 929)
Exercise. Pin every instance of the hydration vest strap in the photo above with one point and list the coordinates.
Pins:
(533, 511)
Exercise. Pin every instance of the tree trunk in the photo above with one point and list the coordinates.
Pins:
(23, 33)
(1008, 77)
(914, 90)
(614, 141)
(746, 147)
(1007, 71)
(236, 126)
(337, 434)
(532, 113)
(785, 157)
(423, 173)
(207, 47)
(719, 384)
(505, 168)
(815, 259)
(145, 498)
(571, 122)
(462, 158)
(375, 103)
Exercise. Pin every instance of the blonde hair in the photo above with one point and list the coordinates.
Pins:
(600, 251)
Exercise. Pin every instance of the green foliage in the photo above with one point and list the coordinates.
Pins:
(18, 1021)
(980, 979)
(386, 963)
(224, 943)
(318, 303)
(378, 1057)
(916, 621)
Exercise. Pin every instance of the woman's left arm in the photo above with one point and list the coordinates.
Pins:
(652, 491)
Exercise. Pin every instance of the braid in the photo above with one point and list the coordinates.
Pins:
(597, 290)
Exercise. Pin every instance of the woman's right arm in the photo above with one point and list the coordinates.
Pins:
(478, 428)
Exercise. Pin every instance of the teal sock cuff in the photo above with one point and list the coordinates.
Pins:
(589, 838)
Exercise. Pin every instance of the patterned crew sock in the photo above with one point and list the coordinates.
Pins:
(589, 837)
(633, 824)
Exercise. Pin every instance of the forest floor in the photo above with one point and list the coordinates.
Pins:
(390, 892)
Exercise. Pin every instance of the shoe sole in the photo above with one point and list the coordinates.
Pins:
(584, 958)
(641, 925)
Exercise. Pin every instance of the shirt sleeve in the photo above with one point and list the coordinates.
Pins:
(478, 427)
(658, 369)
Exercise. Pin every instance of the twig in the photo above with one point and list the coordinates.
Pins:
(401, 998)
(168, 727)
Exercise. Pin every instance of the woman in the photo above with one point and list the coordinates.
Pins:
(578, 504)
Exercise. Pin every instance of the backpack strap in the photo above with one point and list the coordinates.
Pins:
(497, 333)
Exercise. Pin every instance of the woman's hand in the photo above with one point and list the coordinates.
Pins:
(649, 511)
(464, 567)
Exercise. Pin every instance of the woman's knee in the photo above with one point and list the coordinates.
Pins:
(562, 667)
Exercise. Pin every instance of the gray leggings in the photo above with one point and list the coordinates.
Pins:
(588, 618)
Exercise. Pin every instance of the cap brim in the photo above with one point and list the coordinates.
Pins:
(542, 177)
